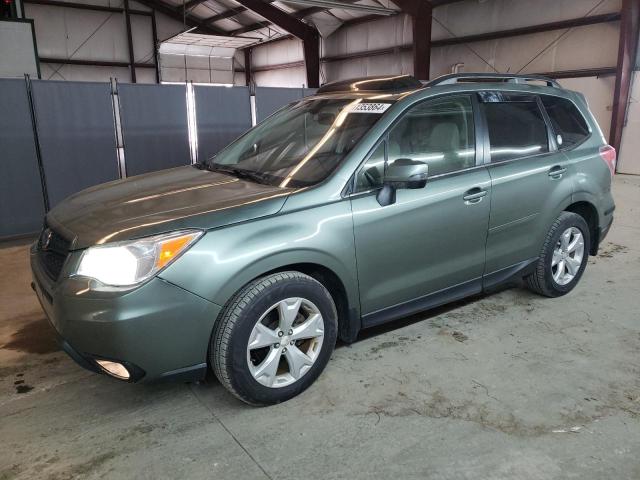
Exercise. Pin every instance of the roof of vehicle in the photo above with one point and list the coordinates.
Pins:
(386, 84)
(403, 84)
(398, 87)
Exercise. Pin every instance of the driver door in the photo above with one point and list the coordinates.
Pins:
(428, 247)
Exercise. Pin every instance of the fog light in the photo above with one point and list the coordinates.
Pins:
(114, 369)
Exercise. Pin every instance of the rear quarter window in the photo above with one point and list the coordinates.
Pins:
(566, 120)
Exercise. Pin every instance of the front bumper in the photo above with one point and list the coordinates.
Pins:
(158, 330)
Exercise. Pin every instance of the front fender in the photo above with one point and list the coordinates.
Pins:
(226, 259)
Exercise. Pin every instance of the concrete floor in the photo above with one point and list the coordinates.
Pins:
(507, 386)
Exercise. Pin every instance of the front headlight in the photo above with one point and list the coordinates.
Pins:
(123, 264)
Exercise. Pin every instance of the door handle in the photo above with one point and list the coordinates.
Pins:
(556, 172)
(474, 195)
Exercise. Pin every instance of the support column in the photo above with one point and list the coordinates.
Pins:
(127, 17)
(311, 47)
(421, 18)
(247, 67)
(422, 41)
(154, 33)
(627, 48)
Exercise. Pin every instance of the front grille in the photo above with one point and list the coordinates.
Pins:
(52, 252)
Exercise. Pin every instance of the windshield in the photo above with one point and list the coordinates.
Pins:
(300, 145)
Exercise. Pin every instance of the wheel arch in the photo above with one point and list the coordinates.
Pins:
(348, 316)
(334, 276)
(588, 211)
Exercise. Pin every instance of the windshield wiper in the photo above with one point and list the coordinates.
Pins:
(238, 172)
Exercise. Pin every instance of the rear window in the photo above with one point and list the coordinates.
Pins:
(567, 121)
(516, 129)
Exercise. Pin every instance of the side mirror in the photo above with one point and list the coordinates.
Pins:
(402, 173)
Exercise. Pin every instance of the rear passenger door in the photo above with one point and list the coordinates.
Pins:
(529, 179)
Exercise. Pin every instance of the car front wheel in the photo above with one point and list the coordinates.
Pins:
(274, 338)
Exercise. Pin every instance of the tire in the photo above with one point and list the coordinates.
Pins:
(546, 280)
(263, 302)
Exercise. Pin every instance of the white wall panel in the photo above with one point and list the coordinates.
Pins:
(146, 75)
(99, 36)
(238, 58)
(167, 27)
(239, 78)
(284, 77)
(62, 32)
(17, 52)
(196, 68)
(628, 155)
(473, 17)
(383, 33)
(173, 75)
(286, 51)
(401, 63)
(83, 73)
(142, 36)
(573, 52)
(599, 93)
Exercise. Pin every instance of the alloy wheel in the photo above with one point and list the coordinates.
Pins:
(285, 342)
(567, 256)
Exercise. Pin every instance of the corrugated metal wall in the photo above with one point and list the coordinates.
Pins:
(573, 50)
(579, 48)
(63, 32)
(76, 141)
(95, 35)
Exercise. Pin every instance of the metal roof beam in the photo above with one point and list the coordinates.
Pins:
(440, 3)
(188, 20)
(190, 4)
(279, 18)
(226, 14)
(85, 6)
(329, 4)
(300, 14)
(309, 35)
(232, 12)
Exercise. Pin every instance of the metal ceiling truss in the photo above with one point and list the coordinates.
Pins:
(308, 34)
(329, 4)
(187, 19)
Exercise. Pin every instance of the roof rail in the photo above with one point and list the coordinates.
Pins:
(491, 77)
(384, 83)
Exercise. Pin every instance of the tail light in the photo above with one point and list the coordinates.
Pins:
(608, 154)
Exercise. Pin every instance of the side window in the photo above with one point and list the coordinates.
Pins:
(438, 132)
(516, 129)
(566, 120)
(372, 172)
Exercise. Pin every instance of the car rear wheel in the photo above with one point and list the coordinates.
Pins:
(274, 338)
(563, 257)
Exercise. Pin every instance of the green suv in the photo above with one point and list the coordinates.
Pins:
(373, 199)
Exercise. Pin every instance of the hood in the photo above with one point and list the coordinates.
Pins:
(158, 202)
